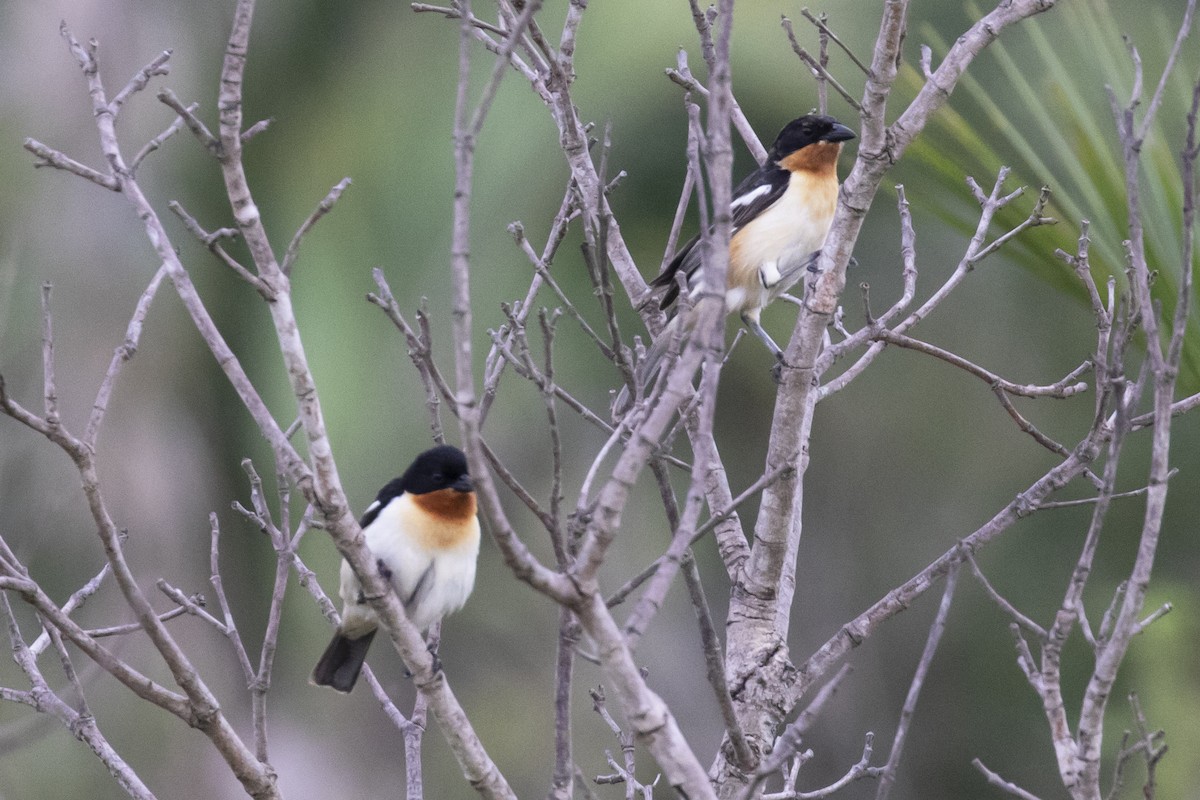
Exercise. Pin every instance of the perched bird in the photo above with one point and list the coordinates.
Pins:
(423, 532)
(781, 214)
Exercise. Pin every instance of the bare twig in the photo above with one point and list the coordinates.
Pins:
(568, 638)
(860, 769)
(826, 31)
(49, 157)
(1007, 607)
(323, 208)
(857, 630)
(213, 242)
(788, 743)
(1000, 783)
(977, 250)
(123, 353)
(888, 775)
(618, 597)
(681, 75)
(160, 139)
(1065, 387)
(193, 123)
(819, 70)
(714, 662)
(81, 722)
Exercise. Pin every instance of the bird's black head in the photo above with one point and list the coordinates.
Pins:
(443, 467)
(806, 130)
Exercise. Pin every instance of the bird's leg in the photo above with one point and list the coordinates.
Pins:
(433, 653)
(810, 263)
(790, 276)
(437, 662)
(750, 320)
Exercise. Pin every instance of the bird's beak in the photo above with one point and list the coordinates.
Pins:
(840, 133)
(463, 484)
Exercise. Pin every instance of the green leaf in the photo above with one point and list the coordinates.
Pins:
(1042, 108)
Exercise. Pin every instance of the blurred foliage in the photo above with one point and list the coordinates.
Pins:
(1044, 111)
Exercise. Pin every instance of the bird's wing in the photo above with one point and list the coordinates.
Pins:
(387, 494)
(757, 193)
(421, 590)
(754, 195)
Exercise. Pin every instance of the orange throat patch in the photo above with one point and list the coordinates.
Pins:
(819, 157)
(447, 504)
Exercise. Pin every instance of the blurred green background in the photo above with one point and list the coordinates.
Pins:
(909, 459)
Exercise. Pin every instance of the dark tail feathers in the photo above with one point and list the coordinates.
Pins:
(341, 662)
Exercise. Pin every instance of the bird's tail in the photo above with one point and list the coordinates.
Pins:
(341, 662)
(649, 367)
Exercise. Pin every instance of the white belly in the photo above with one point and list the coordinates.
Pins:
(776, 245)
(446, 588)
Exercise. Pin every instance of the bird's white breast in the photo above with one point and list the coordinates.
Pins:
(772, 248)
(398, 537)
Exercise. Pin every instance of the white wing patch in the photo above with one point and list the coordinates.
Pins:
(749, 197)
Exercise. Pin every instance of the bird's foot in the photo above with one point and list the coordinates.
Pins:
(384, 571)
(811, 266)
(437, 662)
(777, 369)
(435, 668)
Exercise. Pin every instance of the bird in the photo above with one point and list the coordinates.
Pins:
(781, 214)
(423, 532)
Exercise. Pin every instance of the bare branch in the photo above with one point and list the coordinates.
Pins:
(1000, 783)
(763, 481)
(49, 385)
(888, 775)
(787, 744)
(826, 31)
(80, 722)
(139, 81)
(158, 141)
(229, 626)
(139, 684)
(1065, 387)
(682, 76)
(123, 353)
(193, 123)
(323, 208)
(857, 630)
(49, 157)
(743, 757)
(1185, 28)
(1085, 501)
(213, 242)
(1009, 609)
(976, 251)
(819, 70)
(568, 639)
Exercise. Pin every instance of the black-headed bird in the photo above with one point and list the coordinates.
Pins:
(423, 532)
(781, 214)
